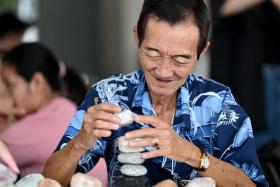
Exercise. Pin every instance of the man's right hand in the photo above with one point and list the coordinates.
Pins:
(98, 122)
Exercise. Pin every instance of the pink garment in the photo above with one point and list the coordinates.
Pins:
(33, 139)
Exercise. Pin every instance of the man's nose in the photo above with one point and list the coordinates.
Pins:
(164, 68)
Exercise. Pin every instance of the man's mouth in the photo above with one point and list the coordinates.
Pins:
(163, 81)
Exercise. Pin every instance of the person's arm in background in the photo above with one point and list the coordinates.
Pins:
(276, 4)
(7, 158)
(234, 7)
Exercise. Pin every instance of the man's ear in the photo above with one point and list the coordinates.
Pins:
(37, 82)
(135, 34)
(204, 50)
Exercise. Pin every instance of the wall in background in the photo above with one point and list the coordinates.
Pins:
(93, 36)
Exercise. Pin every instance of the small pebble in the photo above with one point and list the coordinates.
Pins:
(202, 182)
(82, 180)
(31, 180)
(49, 183)
(133, 170)
(130, 158)
(166, 183)
(126, 117)
(123, 146)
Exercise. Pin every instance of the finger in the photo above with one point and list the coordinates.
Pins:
(142, 133)
(105, 107)
(99, 124)
(157, 123)
(101, 133)
(101, 115)
(152, 154)
(144, 142)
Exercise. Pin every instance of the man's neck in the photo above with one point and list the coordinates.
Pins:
(165, 107)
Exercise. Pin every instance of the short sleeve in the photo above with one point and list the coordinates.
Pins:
(234, 142)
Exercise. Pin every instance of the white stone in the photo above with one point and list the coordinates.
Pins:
(82, 180)
(123, 146)
(126, 116)
(31, 180)
(166, 183)
(202, 182)
(133, 170)
(8, 185)
(6, 175)
(130, 158)
(49, 183)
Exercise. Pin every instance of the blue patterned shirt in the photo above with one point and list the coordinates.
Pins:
(206, 115)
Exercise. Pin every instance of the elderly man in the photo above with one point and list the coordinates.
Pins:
(195, 124)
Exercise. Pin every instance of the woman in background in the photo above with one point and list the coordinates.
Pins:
(32, 75)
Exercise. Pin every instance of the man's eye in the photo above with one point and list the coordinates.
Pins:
(180, 60)
(152, 53)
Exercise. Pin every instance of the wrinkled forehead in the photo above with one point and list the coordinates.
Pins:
(182, 33)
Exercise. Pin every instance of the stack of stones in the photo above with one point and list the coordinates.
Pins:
(131, 158)
(132, 170)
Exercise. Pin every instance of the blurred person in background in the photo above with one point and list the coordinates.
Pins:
(46, 94)
(237, 53)
(11, 33)
(75, 91)
(271, 48)
(32, 75)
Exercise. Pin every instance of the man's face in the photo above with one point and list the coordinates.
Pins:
(167, 55)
